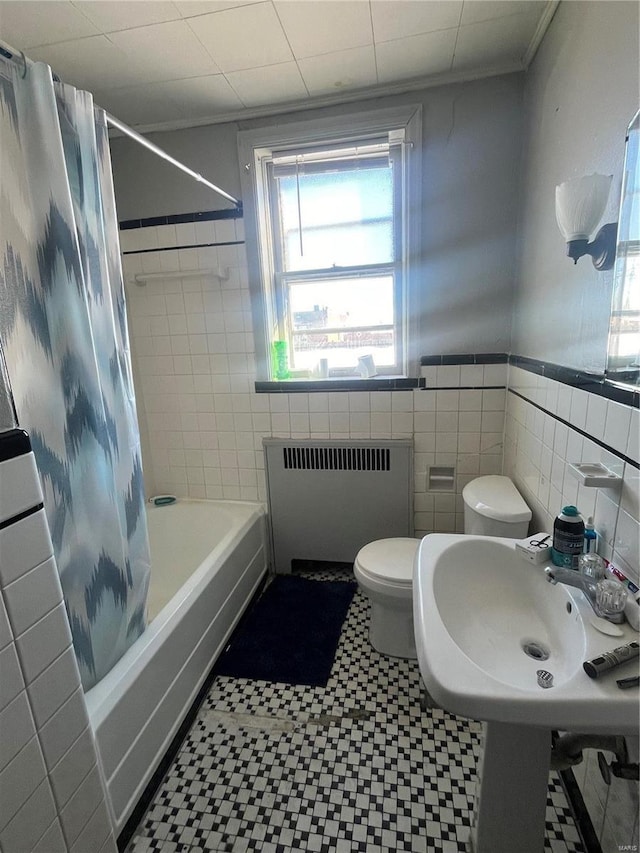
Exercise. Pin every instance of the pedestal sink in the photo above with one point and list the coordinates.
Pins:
(487, 625)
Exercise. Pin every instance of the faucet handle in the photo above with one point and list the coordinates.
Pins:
(591, 566)
(611, 598)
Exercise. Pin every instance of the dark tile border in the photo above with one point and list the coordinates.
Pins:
(188, 246)
(15, 518)
(304, 386)
(181, 218)
(593, 383)
(581, 432)
(464, 358)
(14, 442)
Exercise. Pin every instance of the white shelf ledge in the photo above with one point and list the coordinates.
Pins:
(594, 475)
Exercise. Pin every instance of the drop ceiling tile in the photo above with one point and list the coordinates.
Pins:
(315, 27)
(24, 25)
(203, 96)
(89, 63)
(395, 19)
(191, 8)
(166, 51)
(112, 15)
(418, 56)
(340, 71)
(475, 11)
(503, 40)
(146, 104)
(243, 37)
(272, 84)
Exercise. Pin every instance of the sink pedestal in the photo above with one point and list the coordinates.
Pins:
(511, 797)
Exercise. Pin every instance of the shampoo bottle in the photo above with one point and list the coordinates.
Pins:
(568, 538)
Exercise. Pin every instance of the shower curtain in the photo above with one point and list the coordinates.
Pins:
(64, 335)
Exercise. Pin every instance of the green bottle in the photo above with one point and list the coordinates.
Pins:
(280, 360)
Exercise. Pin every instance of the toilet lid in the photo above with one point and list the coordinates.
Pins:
(496, 497)
(389, 559)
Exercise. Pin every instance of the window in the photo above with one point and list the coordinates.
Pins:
(330, 231)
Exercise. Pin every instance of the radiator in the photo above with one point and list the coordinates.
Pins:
(328, 498)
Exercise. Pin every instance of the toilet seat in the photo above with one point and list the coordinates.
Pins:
(389, 560)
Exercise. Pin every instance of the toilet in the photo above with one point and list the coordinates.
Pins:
(384, 568)
(494, 507)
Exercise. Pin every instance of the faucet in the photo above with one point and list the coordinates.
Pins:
(571, 577)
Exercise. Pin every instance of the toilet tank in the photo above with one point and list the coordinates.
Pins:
(494, 507)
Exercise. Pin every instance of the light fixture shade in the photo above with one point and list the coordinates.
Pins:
(580, 204)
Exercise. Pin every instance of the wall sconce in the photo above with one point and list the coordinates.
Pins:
(580, 204)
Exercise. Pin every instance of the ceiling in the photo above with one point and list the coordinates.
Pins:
(157, 64)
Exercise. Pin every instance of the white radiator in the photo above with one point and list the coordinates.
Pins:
(328, 498)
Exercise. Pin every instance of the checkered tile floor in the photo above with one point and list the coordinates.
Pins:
(374, 773)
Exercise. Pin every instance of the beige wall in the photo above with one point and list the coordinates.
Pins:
(580, 94)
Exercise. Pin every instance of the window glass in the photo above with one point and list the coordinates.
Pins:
(346, 218)
(341, 319)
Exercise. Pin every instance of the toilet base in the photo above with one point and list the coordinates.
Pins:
(391, 630)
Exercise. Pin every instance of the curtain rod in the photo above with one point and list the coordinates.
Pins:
(19, 57)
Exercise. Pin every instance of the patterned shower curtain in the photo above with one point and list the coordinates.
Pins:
(64, 335)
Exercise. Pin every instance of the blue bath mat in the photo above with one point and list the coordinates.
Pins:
(291, 633)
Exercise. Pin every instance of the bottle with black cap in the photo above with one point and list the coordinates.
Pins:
(568, 538)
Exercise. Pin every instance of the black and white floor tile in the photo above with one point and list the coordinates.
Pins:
(355, 766)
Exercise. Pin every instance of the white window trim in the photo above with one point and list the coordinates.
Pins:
(319, 130)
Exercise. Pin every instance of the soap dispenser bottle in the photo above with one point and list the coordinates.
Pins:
(568, 538)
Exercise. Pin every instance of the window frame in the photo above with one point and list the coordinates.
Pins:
(255, 148)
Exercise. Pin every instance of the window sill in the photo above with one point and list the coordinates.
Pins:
(347, 383)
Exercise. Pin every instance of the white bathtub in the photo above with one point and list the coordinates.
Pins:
(208, 558)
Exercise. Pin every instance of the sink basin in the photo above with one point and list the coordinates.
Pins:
(487, 621)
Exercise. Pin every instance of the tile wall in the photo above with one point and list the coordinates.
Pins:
(50, 784)
(548, 425)
(202, 422)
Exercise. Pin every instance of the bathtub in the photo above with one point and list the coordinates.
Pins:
(208, 558)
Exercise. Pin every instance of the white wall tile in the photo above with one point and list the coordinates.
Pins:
(495, 374)
(578, 412)
(627, 539)
(633, 445)
(6, 634)
(63, 729)
(616, 430)
(75, 815)
(15, 718)
(448, 376)
(472, 375)
(26, 828)
(20, 486)
(54, 686)
(20, 778)
(596, 416)
(41, 644)
(23, 546)
(32, 596)
(52, 841)
(96, 835)
(11, 680)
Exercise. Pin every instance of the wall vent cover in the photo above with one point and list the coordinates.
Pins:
(329, 497)
(345, 458)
